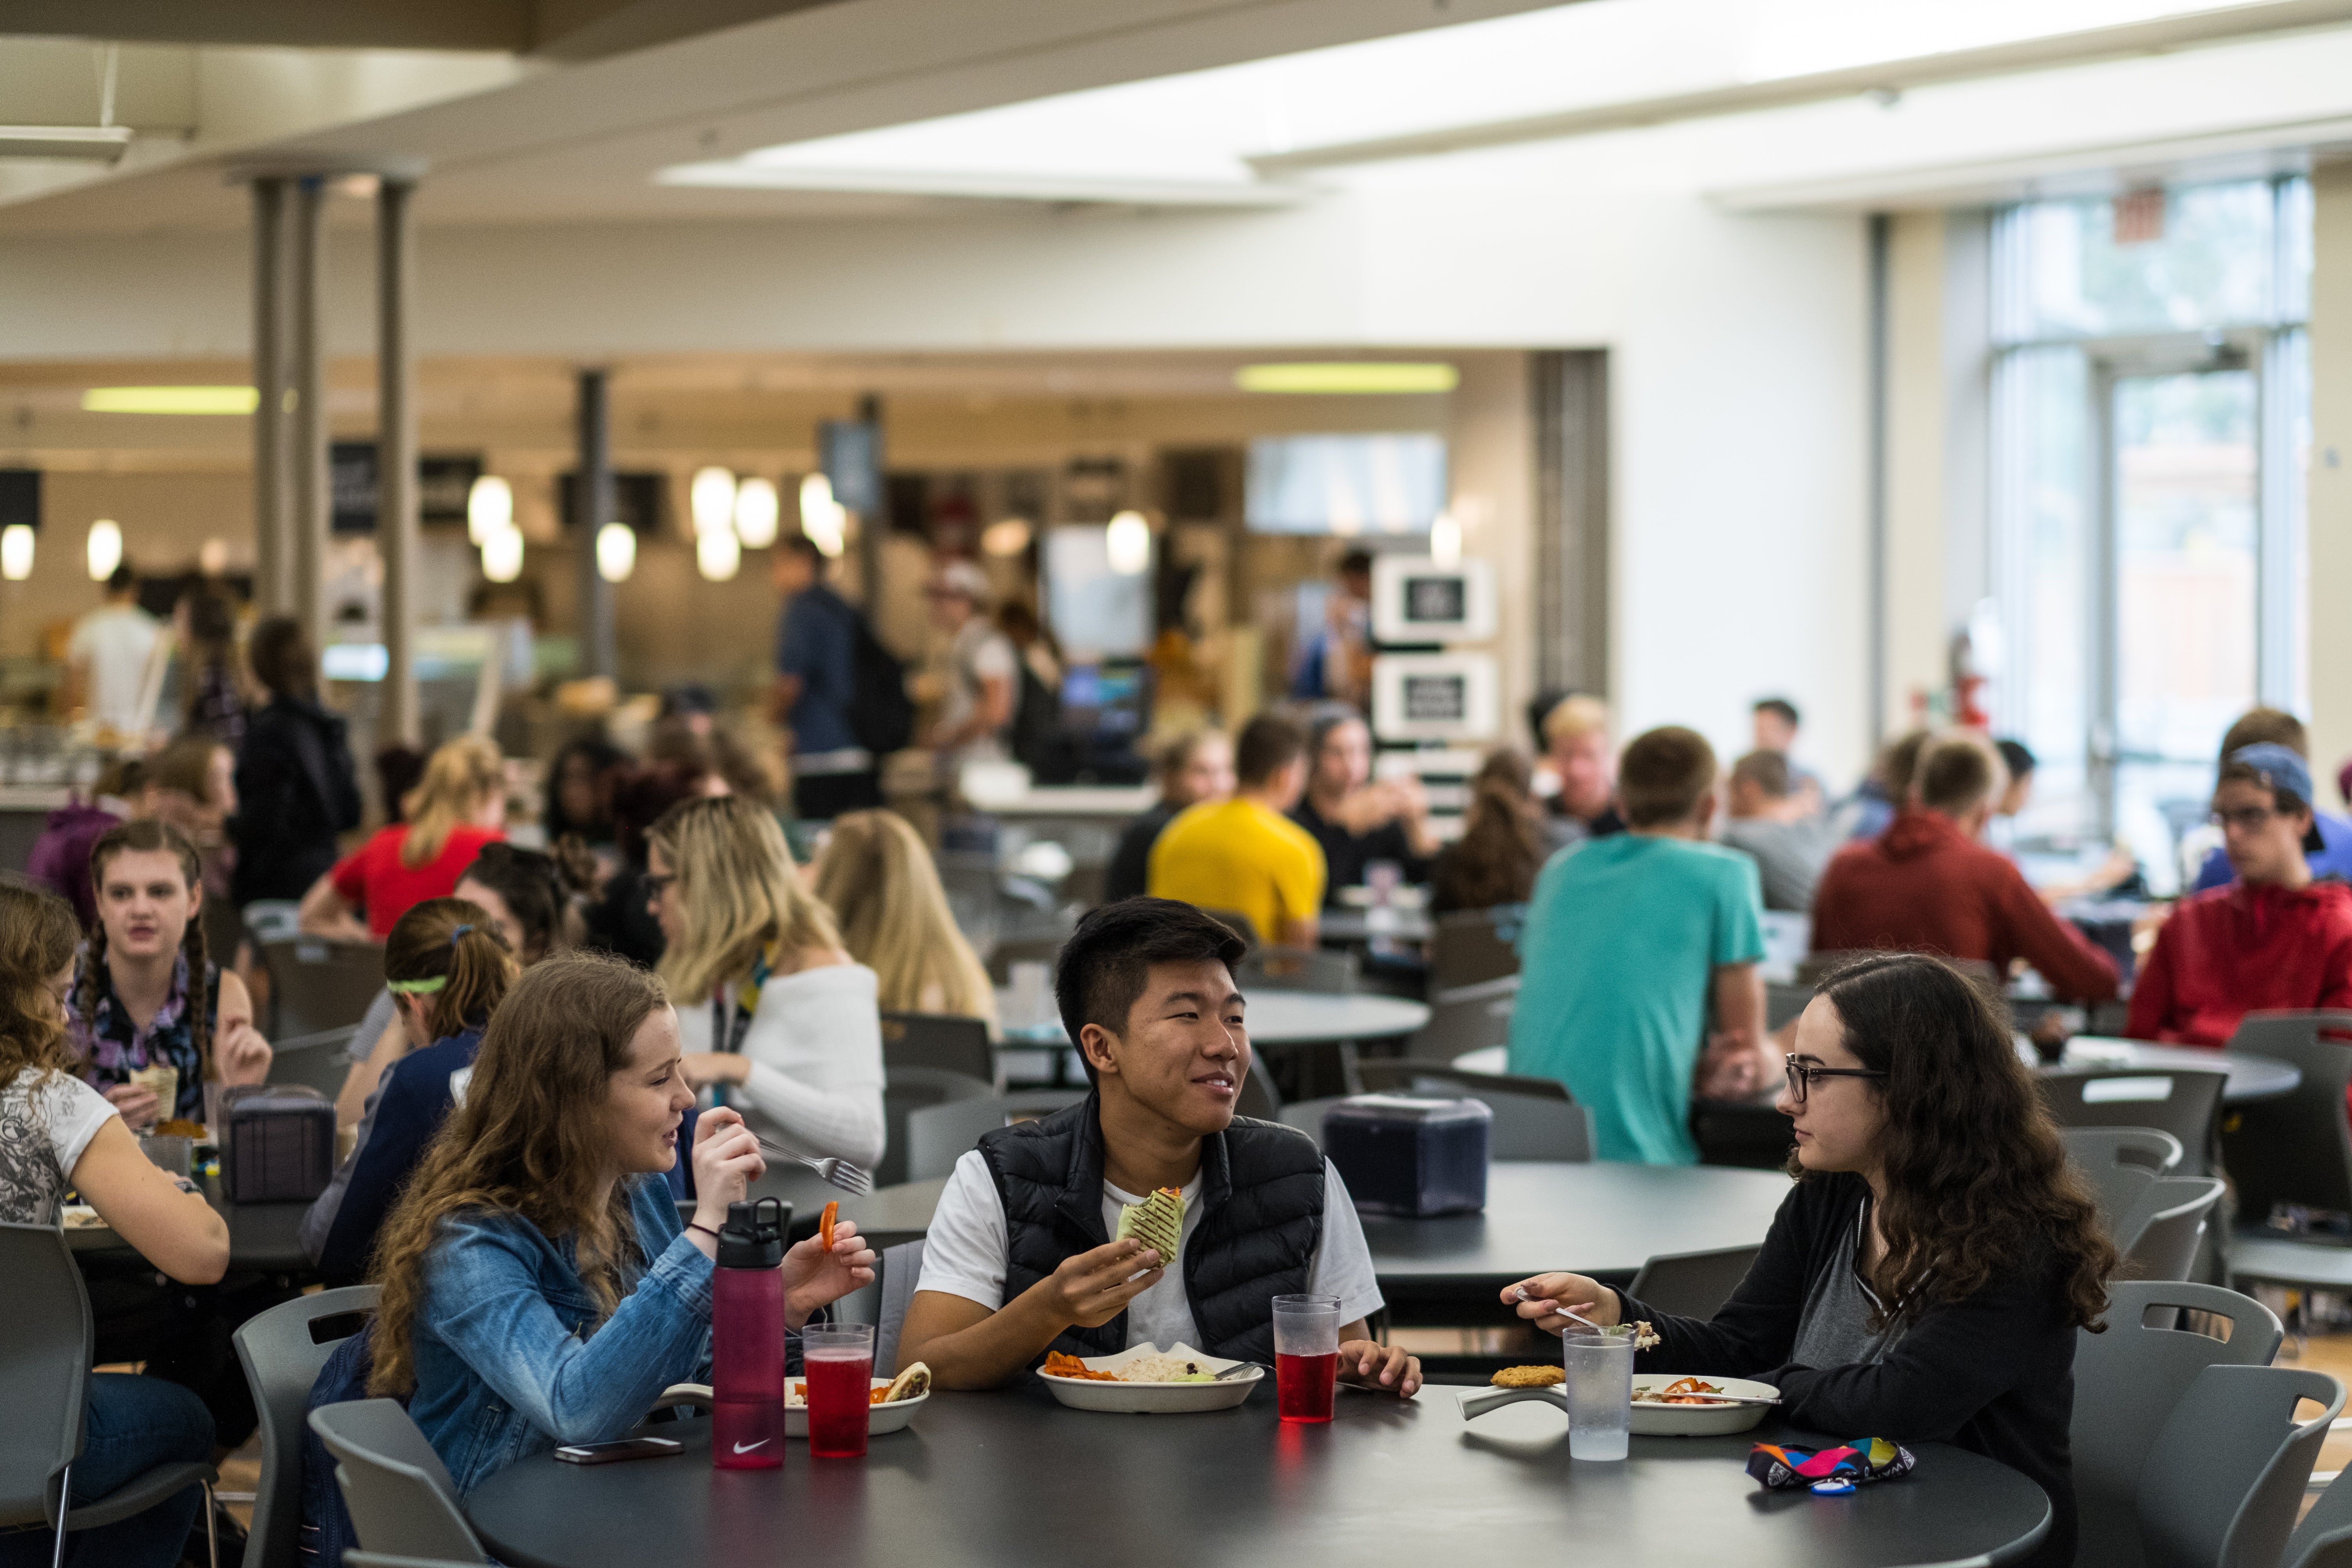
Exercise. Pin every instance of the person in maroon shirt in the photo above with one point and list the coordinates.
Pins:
(1927, 885)
(2275, 939)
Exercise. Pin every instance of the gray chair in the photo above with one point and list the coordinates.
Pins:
(399, 1493)
(315, 985)
(1259, 1098)
(940, 1135)
(1692, 1284)
(1047, 950)
(902, 1267)
(2159, 1233)
(1534, 1117)
(2117, 1190)
(1297, 969)
(942, 1040)
(2323, 1539)
(1465, 1018)
(44, 1388)
(2296, 1149)
(281, 1351)
(2150, 1149)
(1469, 947)
(2185, 1102)
(2224, 1480)
(906, 1090)
(321, 1060)
(2127, 1382)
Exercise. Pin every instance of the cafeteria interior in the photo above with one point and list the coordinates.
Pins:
(1624, 710)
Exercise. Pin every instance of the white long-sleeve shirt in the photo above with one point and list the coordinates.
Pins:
(815, 1047)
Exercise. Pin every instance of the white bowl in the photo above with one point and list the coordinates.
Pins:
(1699, 1420)
(880, 1419)
(1154, 1398)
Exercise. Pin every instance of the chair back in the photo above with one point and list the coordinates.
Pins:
(902, 1265)
(1692, 1284)
(399, 1493)
(906, 1090)
(1534, 1117)
(2159, 1233)
(944, 1040)
(1464, 1019)
(2151, 1149)
(281, 1350)
(315, 985)
(1783, 1000)
(1297, 969)
(2127, 1382)
(2323, 1539)
(43, 1371)
(939, 1135)
(1010, 951)
(319, 1060)
(2224, 1480)
(2296, 1149)
(2117, 1190)
(2185, 1102)
(1470, 947)
(1258, 1098)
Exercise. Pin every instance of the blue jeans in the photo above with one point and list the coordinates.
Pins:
(135, 1424)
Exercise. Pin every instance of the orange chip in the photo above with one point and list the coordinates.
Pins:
(824, 1224)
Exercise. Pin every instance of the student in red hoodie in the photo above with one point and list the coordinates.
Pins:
(2274, 938)
(1928, 885)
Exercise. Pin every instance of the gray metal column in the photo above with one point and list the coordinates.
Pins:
(273, 506)
(397, 473)
(599, 642)
(311, 491)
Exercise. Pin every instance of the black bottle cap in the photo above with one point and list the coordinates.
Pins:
(750, 1239)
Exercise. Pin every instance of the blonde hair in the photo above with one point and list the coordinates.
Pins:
(1574, 717)
(742, 893)
(528, 1139)
(458, 776)
(877, 876)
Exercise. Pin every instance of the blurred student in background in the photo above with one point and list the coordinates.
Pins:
(1355, 820)
(877, 876)
(1505, 839)
(296, 788)
(1244, 855)
(1580, 770)
(1193, 768)
(1773, 823)
(459, 806)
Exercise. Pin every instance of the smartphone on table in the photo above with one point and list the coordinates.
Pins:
(617, 1452)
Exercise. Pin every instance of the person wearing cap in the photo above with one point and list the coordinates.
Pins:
(981, 668)
(2331, 854)
(2276, 938)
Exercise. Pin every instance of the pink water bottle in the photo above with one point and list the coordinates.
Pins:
(747, 1340)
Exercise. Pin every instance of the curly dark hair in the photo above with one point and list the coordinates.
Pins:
(1977, 1179)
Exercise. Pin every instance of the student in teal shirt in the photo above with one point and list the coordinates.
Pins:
(1629, 941)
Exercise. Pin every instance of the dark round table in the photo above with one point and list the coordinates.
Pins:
(1013, 1479)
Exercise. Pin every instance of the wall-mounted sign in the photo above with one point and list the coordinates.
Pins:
(1415, 600)
(1434, 695)
(637, 501)
(442, 484)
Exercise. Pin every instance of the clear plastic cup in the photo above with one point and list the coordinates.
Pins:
(1600, 1389)
(839, 1361)
(1305, 1355)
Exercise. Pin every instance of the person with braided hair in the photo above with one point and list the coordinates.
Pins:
(147, 995)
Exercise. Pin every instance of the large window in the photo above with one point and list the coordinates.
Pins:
(2151, 415)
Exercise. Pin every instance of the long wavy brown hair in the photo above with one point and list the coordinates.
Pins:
(1976, 1181)
(39, 934)
(529, 1140)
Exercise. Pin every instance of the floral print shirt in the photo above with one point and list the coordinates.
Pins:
(113, 1047)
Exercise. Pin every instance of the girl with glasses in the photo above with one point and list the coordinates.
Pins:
(1925, 1280)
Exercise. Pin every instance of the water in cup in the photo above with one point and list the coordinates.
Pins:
(1305, 1355)
(1600, 1391)
(840, 1366)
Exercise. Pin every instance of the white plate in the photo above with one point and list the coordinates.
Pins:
(880, 1419)
(1698, 1420)
(1154, 1398)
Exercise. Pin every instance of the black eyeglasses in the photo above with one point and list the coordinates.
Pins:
(1802, 1075)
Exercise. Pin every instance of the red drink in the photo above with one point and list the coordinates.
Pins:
(840, 1400)
(1303, 1384)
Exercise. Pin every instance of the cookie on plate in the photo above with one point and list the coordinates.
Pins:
(1529, 1377)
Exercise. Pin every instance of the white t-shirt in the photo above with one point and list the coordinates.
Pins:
(966, 1253)
(114, 640)
(46, 1119)
(980, 653)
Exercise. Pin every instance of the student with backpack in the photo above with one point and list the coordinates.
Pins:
(837, 690)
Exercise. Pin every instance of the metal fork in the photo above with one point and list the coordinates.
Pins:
(833, 1172)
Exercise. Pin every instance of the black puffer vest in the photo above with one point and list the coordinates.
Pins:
(1260, 1222)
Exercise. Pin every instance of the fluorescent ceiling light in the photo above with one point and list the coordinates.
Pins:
(105, 549)
(1348, 377)
(1127, 543)
(15, 551)
(170, 400)
(616, 552)
(489, 508)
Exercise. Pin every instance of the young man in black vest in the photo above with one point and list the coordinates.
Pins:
(1019, 1259)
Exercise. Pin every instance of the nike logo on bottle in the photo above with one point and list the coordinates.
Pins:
(747, 1448)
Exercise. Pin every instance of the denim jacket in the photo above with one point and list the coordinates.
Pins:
(505, 1367)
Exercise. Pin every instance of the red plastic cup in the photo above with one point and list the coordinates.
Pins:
(840, 1366)
(1305, 1355)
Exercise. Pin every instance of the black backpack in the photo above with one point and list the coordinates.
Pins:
(881, 715)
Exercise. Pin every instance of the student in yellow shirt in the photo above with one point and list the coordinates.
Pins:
(1243, 854)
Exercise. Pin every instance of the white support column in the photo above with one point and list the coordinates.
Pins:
(313, 492)
(397, 456)
(2330, 496)
(273, 503)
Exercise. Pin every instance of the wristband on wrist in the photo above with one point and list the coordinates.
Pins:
(697, 1225)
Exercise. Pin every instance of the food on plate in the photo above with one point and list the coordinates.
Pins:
(1142, 1369)
(81, 1217)
(912, 1384)
(1681, 1390)
(824, 1226)
(179, 1127)
(1529, 1377)
(1158, 1222)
